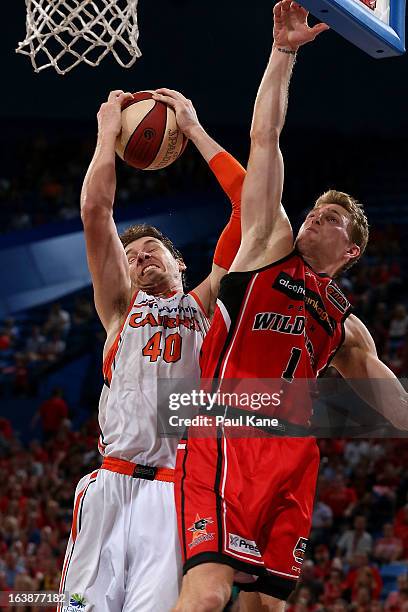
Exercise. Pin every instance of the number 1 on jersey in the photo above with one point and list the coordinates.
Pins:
(292, 364)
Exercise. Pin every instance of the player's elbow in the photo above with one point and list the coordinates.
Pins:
(265, 137)
(94, 211)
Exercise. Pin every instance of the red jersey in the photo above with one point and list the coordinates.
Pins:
(283, 321)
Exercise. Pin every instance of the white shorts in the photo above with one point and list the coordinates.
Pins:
(123, 552)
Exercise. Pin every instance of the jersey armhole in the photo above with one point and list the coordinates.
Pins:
(110, 355)
(341, 342)
(199, 303)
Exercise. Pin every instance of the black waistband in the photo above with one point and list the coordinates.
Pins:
(283, 428)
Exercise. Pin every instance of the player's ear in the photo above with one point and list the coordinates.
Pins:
(353, 251)
(182, 266)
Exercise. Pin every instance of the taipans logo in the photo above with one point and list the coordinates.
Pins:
(240, 544)
(149, 133)
(299, 550)
(76, 603)
(199, 530)
(337, 298)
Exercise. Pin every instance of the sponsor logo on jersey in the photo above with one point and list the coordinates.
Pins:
(337, 298)
(199, 531)
(76, 603)
(240, 544)
(299, 550)
(276, 321)
(293, 288)
(138, 320)
(315, 305)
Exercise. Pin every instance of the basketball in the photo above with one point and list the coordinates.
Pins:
(150, 137)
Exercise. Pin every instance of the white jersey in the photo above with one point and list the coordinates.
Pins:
(161, 338)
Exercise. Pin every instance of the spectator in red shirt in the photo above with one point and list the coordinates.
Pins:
(333, 587)
(52, 413)
(363, 575)
(340, 498)
(322, 562)
(6, 429)
(396, 599)
(388, 548)
(401, 528)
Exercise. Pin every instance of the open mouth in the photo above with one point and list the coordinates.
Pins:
(149, 267)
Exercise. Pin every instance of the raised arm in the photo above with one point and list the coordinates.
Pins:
(358, 362)
(106, 257)
(266, 231)
(230, 175)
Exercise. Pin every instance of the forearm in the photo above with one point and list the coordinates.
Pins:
(272, 98)
(206, 145)
(100, 181)
(230, 175)
(374, 382)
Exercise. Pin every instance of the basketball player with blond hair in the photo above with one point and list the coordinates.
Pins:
(123, 553)
(245, 503)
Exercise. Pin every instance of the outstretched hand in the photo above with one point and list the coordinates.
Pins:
(290, 26)
(186, 115)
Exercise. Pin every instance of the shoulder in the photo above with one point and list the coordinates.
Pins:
(357, 347)
(357, 335)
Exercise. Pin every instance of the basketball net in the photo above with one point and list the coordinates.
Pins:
(64, 33)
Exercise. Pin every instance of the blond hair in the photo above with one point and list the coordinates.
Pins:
(358, 229)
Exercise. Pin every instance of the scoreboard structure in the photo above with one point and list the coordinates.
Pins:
(375, 26)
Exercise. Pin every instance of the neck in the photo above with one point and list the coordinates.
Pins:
(319, 265)
(161, 290)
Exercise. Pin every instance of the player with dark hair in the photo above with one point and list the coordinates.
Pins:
(245, 498)
(123, 553)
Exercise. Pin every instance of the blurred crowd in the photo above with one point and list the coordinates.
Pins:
(43, 184)
(358, 555)
(31, 345)
(38, 483)
(357, 558)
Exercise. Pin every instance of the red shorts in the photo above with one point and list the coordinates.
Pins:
(247, 502)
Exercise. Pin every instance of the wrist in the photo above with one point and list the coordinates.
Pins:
(286, 49)
(194, 132)
(107, 138)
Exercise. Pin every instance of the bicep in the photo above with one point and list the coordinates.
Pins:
(262, 189)
(266, 231)
(108, 266)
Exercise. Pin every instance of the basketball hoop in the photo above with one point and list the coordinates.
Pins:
(64, 33)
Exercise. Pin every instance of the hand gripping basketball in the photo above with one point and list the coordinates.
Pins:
(109, 115)
(186, 115)
(291, 29)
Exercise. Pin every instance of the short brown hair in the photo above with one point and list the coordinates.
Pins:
(359, 229)
(143, 230)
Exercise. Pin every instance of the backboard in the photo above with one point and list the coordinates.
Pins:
(375, 26)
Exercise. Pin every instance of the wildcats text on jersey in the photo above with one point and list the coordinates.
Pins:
(275, 321)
